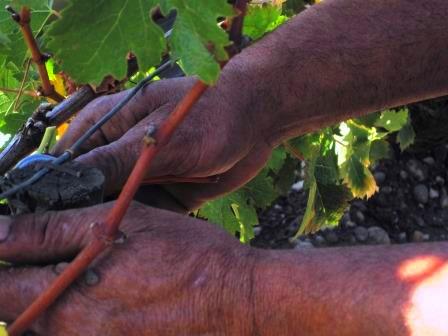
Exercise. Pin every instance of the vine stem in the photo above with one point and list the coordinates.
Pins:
(38, 58)
(17, 91)
(105, 234)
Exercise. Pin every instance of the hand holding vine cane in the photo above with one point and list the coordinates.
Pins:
(125, 291)
(175, 275)
(200, 148)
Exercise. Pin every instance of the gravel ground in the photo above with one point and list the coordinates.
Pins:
(411, 205)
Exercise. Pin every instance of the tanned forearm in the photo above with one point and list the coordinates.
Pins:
(344, 58)
(389, 290)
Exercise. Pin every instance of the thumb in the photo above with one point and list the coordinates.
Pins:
(115, 160)
(48, 237)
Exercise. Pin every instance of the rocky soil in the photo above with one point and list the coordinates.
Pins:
(411, 205)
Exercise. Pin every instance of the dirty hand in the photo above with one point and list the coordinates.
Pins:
(220, 138)
(172, 275)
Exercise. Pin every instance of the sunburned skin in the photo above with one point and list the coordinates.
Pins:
(175, 275)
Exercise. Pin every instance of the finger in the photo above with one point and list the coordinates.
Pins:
(192, 196)
(117, 159)
(150, 98)
(20, 287)
(48, 237)
(87, 117)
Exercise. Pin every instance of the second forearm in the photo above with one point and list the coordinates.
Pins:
(344, 58)
(380, 290)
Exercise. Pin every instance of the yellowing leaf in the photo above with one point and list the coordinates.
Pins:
(56, 80)
(60, 131)
(359, 179)
(3, 331)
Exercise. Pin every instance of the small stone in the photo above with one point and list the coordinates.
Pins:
(440, 153)
(360, 205)
(304, 244)
(444, 200)
(419, 236)
(402, 237)
(377, 235)
(429, 160)
(433, 193)
(403, 175)
(350, 224)
(380, 177)
(91, 278)
(386, 189)
(320, 241)
(257, 230)
(331, 237)
(440, 180)
(415, 169)
(421, 193)
(419, 221)
(361, 234)
(278, 207)
(297, 186)
(359, 217)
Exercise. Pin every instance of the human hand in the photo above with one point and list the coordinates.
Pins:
(172, 275)
(220, 138)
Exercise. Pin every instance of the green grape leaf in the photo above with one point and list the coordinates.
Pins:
(220, 212)
(236, 212)
(326, 169)
(325, 207)
(195, 29)
(233, 213)
(406, 135)
(379, 149)
(260, 190)
(359, 178)
(262, 19)
(277, 160)
(92, 38)
(284, 179)
(306, 144)
(358, 133)
(332, 201)
(368, 120)
(4, 39)
(393, 120)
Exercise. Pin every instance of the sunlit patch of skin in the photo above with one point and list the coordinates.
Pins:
(427, 310)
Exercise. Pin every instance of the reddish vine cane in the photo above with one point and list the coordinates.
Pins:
(23, 19)
(104, 234)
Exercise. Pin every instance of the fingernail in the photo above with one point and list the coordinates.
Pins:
(5, 227)
(59, 268)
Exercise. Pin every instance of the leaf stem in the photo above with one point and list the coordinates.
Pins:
(17, 91)
(22, 84)
(47, 140)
